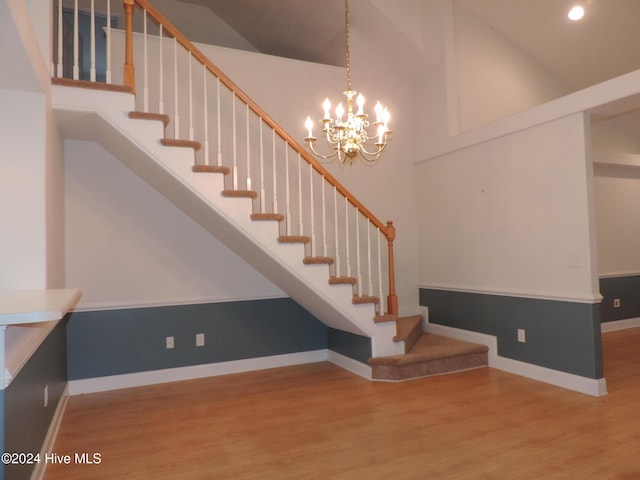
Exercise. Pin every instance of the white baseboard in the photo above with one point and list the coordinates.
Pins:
(361, 369)
(115, 382)
(52, 433)
(619, 325)
(589, 386)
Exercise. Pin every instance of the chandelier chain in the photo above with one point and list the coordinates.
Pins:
(348, 41)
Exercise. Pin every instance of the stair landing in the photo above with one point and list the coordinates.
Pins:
(430, 355)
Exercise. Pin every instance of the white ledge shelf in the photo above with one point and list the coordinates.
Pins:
(34, 306)
(26, 319)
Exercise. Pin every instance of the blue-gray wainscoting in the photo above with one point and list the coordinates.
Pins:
(350, 345)
(125, 341)
(627, 289)
(115, 342)
(25, 419)
(560, 335)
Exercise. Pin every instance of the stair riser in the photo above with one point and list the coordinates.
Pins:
(430, 368)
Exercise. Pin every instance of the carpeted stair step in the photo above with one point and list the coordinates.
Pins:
(408, 329)
(431, 355)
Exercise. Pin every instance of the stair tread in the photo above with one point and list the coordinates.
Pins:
(362, 299)
(68, 82)
(431, 347)
(342, 280)
(173, 142)
(239, 193)
(405, 326)
(267, 216)
(317, 260)
(150, 116)
(211, 169)
(294, 239)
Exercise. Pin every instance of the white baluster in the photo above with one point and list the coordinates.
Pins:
(358, 271)
(262, 190)
(311, 209)
(219, 126)
(336, 229)
(273, 160)
(161, 73)
(206, 114)
(380, 294)
(59, 71)
(369, 272)
(235, 149)
(190, 98)
(76, 68)
(300, 229)
(176, 111)
(288, 198)
(248, 152)
(324, 221)
(92, 43)
(346, 228)
(145, 88)
(108, 72)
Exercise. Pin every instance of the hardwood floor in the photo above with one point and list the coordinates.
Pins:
(320, 422)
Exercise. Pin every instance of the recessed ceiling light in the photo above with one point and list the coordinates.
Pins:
(576, 13)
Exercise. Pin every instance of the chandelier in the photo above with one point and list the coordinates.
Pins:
(353, 134)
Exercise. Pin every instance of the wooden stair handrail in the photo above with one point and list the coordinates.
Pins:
(388, 230)
(186, 43)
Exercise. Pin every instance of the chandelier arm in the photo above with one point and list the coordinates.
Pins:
(376, 153)
(370, 158)
(325, 157)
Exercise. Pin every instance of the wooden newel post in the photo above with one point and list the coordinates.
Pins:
(129, 70)
(392, 299)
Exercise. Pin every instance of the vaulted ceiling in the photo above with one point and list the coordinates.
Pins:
(599, 47)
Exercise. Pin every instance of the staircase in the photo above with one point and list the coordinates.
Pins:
(271, 211)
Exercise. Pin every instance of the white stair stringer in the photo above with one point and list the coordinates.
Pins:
(102, 117)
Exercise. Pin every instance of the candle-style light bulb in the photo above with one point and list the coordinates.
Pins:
(309, 124)
(386, 116)
(360, 103)
(378, 110)
(327, 107)
(381, 131)
(339, 112)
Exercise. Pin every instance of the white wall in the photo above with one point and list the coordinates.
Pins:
(126, 245)
(30, 166)
(495, 79)
(617, 200)
(511, 215)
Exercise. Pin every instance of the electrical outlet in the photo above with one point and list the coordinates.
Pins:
(199, 339)
(522, 335)
(170, 342)
(616, 303)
